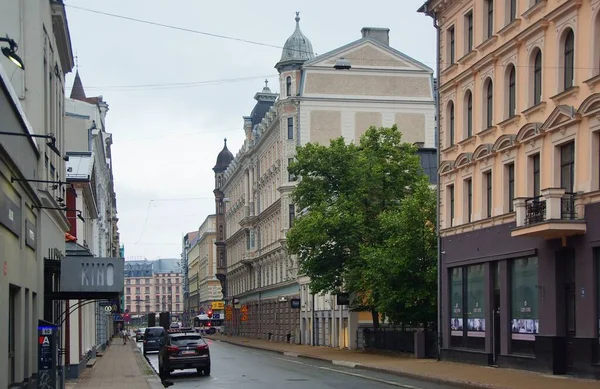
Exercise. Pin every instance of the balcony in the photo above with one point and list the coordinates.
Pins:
(552, 215)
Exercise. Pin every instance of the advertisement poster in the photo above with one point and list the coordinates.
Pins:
(456, 316)
(476, 301)
(525, 323)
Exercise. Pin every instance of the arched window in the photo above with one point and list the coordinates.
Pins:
(537, 78)
(288, 86)
(469, 113)
(569, 60)
(512, 92)
(489, 104)
(451, 123)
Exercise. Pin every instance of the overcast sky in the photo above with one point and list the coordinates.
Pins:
(168, 125)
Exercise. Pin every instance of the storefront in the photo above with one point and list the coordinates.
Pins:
(522, 302)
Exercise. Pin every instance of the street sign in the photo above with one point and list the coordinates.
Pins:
(244, 317)
(108, 308)
(228, 316)
(244, 309)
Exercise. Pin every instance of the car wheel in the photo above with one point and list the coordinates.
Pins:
(206, 371)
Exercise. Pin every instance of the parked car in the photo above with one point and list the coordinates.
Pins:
(154, 338)
(184, 350)
(139, 334)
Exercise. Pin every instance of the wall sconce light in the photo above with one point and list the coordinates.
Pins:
(11, 52)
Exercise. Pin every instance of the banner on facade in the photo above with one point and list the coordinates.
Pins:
(100, 277)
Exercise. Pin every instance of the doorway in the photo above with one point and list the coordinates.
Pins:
(566, 271)
(496, 329)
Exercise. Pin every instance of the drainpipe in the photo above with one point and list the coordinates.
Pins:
(424, 9)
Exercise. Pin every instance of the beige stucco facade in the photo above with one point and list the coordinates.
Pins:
(520, 182)
(537, 125)
(316, 103)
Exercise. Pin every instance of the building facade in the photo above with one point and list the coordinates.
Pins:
(315, 103)
(153, 286)
(21, 281)
(41, 31)
(89, 202)
(519, 182)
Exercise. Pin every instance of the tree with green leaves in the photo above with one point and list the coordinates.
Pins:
(349, 236)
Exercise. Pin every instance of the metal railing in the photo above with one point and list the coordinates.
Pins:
(567, 206)
(535, 210)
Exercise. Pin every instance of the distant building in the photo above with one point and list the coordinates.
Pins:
(153, 286)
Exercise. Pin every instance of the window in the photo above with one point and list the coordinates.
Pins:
(469, 118)
(489, 107)
(292, 215)
(456, 301)
(451, 46)
(535, 166)
(291, 177)
(512, 11)
(489, 7)
(288, 86)
(469, 36)
(537, 78)
(569, 60)
(510, 176)
(469, 199)
(512, 92)
(468, 306)
(451, 205)
(567, 167)
(290, 127)
(488, 193)
(524, 298)
(451, 123)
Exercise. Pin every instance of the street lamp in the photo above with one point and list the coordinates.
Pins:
(11, 52)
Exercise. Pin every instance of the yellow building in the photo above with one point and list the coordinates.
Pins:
(519, 133)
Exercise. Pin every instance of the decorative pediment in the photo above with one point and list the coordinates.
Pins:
(368, 53)
(590, 105)
(504, 142)
(482, 151)
(561, 115)
(445, 167)
(463, 159)
(528, 131)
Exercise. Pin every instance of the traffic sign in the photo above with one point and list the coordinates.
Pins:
(108, 308)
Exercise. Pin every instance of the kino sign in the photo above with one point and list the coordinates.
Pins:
(91, 274)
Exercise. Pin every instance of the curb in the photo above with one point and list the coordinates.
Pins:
(153, 380)
(359, 366)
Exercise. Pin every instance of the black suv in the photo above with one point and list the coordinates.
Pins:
(183, 350)
(154, 338)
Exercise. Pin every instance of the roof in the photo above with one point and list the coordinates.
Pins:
(80, 165)
(264, 101)
(77, 92)
(223, 159)
(297, 48)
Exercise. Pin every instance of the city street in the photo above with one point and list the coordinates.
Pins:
(233, 366)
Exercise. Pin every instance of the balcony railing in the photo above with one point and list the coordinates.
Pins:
(551, 215)
(535, 209)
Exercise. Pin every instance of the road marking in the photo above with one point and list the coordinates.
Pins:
(366, 377)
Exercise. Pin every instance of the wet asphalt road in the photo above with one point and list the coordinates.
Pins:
(235, 367)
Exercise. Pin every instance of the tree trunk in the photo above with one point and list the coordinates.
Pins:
(375, 316)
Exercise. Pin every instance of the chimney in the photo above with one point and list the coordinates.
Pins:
(381, 35)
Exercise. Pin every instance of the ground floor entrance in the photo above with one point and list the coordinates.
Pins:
(522, 303)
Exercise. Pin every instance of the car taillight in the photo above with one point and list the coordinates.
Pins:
(202, 347)
(172, 349)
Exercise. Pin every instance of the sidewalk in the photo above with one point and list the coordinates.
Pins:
(121, 366)
(425, 369)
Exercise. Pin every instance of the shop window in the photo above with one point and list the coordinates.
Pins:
(524, 303)
(467, 316)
